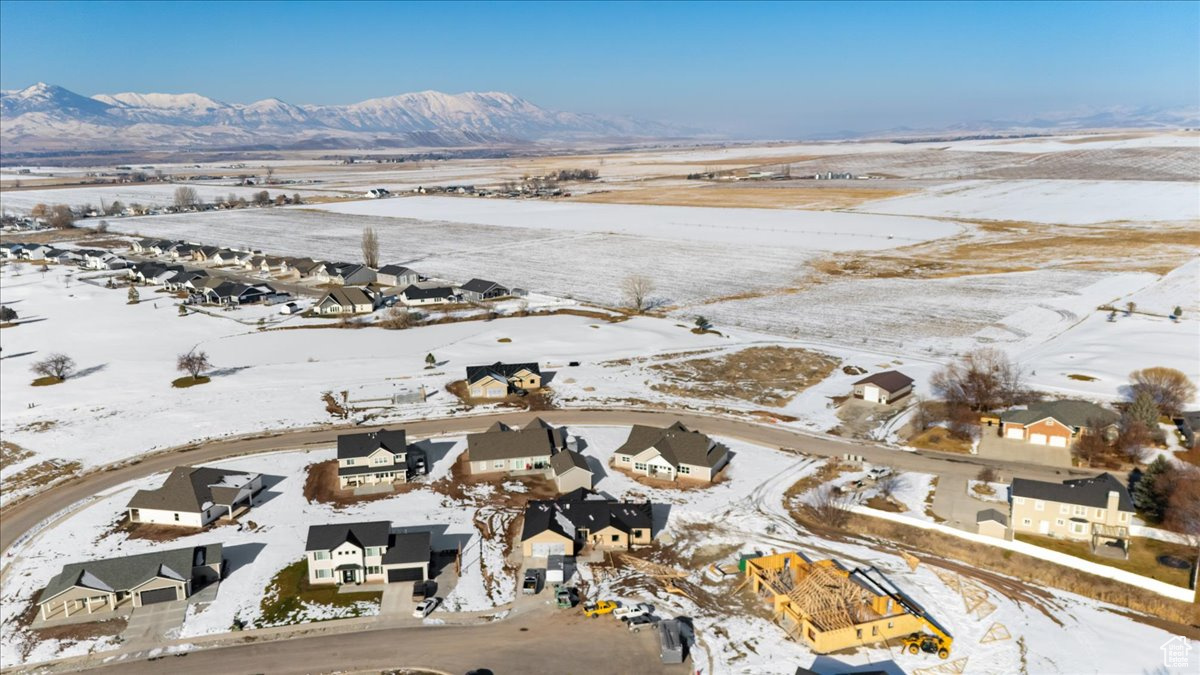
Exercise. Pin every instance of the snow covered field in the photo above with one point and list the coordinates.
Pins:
(825, 231)
(1067, 202)
(156, 194)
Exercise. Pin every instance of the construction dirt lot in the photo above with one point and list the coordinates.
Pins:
(768, 376)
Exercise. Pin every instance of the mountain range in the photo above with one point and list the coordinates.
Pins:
(49, 118)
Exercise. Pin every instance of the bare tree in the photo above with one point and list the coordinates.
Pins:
(370, 247)
(61, 217)
(987, 475)
(58, 366)
(397, 318)
(193, 363)
(1091, 448)
(186, 197)
(1183, 508)
(982, 380)
(39, 211)
(270, 175)
(1170, 388)
(889, 484)
(635, 288)
(262, 198)
(102, 227)
(830, 507)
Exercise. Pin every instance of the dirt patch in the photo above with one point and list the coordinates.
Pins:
(159, 533)
(83, 631)
(759, 196)
(455, 486)
(938, 438)
(829, 472)
(38, 427)
(1082, 378)
(769, 376)
(542, 399)
(189, 381)
(884, 504)
(321, 486)
(42, 474)
(46, 381)
(11, 453)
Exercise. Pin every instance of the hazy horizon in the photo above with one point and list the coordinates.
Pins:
(742, 70)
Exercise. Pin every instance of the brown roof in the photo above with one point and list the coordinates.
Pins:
(677, 444)
(567, 460)
(889, 380)
(504, 442)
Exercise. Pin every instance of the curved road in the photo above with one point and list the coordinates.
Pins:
(26, 515)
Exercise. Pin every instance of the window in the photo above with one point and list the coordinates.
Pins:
(1077, 528)
(498, 464)
(1039, 505)
(685, 469)
(615, 538)
(1018, 500)
(1026, 521)
(626, 458)
(320, 555)
(1080, 510)
(177, 517)
(379, 461)
(858, 633)
(324, 574)
(374, 569)
(639, 466)
(1063, 509)
(874, 630)
(1100, 514)
(350, 462)
(374, 551)
(1060, 522)
(1123, 517)
(891, 624)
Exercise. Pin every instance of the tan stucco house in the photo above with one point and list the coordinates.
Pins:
(104, 586)
(671, 453)
(513, 451)
(1056, 423)
(1085, 509)
(565, 526)
(357, 553)
(501, 379)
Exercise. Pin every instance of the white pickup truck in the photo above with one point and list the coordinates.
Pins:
(626, 613)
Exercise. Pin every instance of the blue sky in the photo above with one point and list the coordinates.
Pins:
(763, 70)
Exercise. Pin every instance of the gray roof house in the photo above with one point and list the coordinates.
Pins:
(476, 290)
(437, 295)
(396, 275)
(501, 379)
(1099, 509)
(566, 525)
(504, 449)
(375, 458)
(195, 497)
(671, 453)
(112, 583)
(368, 552)
(1055, 423)
(571, 471)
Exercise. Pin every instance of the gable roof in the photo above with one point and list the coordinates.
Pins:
(889, 380)
(504, 442)
(396, 270)
(418, 293)
(1091, 492)
(327, 537)
(348, 296)
(564, 517)
(991, 514)
(362, 445)
(677, 444)
(501, 371)
(481, 286)
(566, 460)
(1073, 413)
(408, 547)
(193, 489)
(127, 572)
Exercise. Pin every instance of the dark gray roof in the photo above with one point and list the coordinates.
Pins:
(566, 460)
(409, 547)
(503, 442)
(677, 444)
(397, 270)
(418, 293)
(482, 286)
(1070, 412)
(1091, 492)
(889, 380)
(362, 445)
(127, 572)
(501, 371)
(328, 537)
(362, 470)
(991, 514)
(593, 515)
(188, 489)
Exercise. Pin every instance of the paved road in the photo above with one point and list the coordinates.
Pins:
(26, 515)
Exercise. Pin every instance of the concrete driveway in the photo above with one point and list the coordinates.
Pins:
(397, 602)
(992, 446)
(149, 624)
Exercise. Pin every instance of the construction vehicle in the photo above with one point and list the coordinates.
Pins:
(936, 641)
(595, 609)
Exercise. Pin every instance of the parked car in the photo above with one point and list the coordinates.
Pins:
(637, 623)
(424, 608)
(629, 612)
(595, 609)
(530, 585)
(565, 596)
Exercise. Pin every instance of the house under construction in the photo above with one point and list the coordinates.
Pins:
(831, 608)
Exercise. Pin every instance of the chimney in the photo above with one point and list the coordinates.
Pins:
(1114, 498)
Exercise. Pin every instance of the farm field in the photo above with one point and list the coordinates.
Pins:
(158, 194)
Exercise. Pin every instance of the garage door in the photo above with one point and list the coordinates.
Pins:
(1037, 439)
(406, 574)
(1015, 433)
(158, 595)
(1058, 441)
(543, 550)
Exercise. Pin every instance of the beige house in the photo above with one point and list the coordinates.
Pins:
(501, 379)
(1086, 509)
(1056, 423)
(564, 527)
(886, 387)
(671, 453)
(992, 523)
(505, 450)
(104, 586)
(349, 300)
(374, 458)
(571, 471)
(357, 553)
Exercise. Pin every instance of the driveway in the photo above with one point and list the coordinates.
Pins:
(992, 446)
(397, 602)
(951, 502)
(150, 624)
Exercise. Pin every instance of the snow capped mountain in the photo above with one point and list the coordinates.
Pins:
(49, 118)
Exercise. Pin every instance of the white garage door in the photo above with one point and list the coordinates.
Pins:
(543, 550)
(1058, 441)
(1037, 439)
(1015, 433)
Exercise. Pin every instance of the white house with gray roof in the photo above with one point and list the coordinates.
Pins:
(195, 497)
(671, 453)
(375, 458)
(368, 552)
(104, 586)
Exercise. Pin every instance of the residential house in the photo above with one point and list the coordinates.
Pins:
(181, 251)
(886, 387)
(376, 458)
(205, 253)
(235, 293)
(298, 267)
(396, 275)
(68, 258)
(671, 453)
(563, 527)
(439, 295)
(194, 496)
(571, 471)
(831, 608)
(1084, 509)
(35, 251)
(224, 257)
(182, 280)
(501, 379)
(349, 300)
(1056, 423)
(356, 553)
(345, 274)
(504, 449)
(12, 251)
(478, 290)
(103, 586)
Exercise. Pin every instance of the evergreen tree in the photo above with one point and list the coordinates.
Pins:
(429, 360)
(133, 295)
(1144, 410)
(1152, 491)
